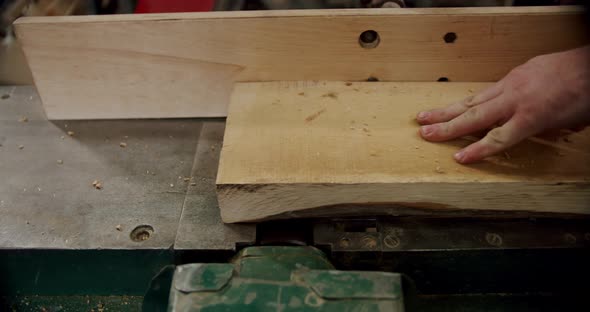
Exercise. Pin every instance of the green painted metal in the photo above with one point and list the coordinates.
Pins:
(279, 278)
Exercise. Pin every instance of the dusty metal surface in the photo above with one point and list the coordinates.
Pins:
(200, 226)
(47, 199)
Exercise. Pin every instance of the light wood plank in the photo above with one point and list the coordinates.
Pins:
(290, 147)
(183, 65)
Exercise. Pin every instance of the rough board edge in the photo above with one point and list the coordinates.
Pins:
(254, 202)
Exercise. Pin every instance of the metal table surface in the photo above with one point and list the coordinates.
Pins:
(47, 200)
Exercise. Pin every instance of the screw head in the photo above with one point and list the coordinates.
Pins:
(494, 239)
(391, 241)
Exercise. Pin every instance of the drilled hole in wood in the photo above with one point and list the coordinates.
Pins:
(369, 39)
(450, 37)
(141, 233)
(443, 79)
(372, 79)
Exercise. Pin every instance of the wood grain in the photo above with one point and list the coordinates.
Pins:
(293, 146)
(183, 65)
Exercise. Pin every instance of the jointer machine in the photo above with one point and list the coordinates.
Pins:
(123, 215)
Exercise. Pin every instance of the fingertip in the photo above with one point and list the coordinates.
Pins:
(422, 117)
(426, 131)
(459, 156)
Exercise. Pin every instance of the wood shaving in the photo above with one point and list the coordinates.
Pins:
(97, 184)
(123, 144)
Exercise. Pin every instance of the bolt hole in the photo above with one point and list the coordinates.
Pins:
(450, 37)
(443, 79)
(141, 233)
(369, 39)
(372, 79)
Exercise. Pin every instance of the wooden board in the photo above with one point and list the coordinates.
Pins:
(294, 146)
(184, 64)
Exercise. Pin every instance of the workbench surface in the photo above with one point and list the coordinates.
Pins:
(47, 200)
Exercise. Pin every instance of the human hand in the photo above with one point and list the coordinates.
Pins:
(548, 92)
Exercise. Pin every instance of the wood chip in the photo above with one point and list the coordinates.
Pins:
(59, 161)
(23, 119)
(438, 169)
(193, 183)
(62, 137)
(186, 179)
(171, 185)
(71, 133)
(21, 146)
(123, 144)
(97, 184)
(119, 227)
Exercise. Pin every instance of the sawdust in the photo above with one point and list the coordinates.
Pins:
(331, 95)
(123, 144)
(97, 184)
